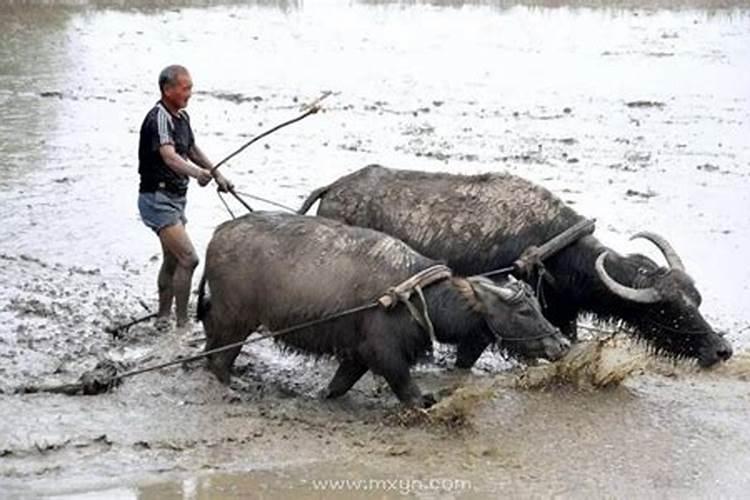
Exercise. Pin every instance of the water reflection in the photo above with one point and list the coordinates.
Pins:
(593, 4)
(148, 4)
(33, 57)
(289, 5)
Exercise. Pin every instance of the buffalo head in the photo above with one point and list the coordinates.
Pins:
(662, 303)
(513, 314)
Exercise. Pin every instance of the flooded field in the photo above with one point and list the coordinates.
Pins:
(636, 113)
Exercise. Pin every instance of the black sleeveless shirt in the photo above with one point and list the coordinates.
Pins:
(161, 127)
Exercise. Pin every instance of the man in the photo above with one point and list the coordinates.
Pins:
(167, 157)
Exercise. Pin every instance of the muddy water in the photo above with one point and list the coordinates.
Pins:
(635, 112)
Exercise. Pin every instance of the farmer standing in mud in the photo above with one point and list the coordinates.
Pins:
(167, 157)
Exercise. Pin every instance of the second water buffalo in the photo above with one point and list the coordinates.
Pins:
(280, 270)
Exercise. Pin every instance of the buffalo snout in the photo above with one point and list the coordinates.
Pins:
(718, 349)
(555, 347)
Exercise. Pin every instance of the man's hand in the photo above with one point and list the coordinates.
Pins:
(203, 176)
(225, 185)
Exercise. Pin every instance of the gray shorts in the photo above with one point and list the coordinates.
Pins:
(161, 209)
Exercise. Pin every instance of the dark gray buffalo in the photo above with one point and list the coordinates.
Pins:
(483, 222)
(280, 270)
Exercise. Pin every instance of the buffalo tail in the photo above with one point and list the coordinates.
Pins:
(204, 303)
(312, 199)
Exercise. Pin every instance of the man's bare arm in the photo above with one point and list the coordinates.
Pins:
(176, 163)
(199, 158)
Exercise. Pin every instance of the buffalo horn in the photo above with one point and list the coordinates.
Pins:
(673, 260)
(504, 293)
(640, 295)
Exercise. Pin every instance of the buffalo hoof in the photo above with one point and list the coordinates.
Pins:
(222, 374)
(324, 394)
(427, 401)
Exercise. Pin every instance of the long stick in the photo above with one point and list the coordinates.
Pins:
(312, 108)
(115, 329)
(244, 203)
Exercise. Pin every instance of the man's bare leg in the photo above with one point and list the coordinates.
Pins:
(176, 241)
(165, 283)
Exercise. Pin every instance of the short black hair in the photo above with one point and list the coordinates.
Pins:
(168, 75)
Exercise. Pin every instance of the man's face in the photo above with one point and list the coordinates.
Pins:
(179, 93)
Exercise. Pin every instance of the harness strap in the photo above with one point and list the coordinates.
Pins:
(422, 279)
(403, 291)
(419, 313)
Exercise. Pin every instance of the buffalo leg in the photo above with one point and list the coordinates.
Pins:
(469, 351)
(348, 373)
(220, 363)
(569, 328)
(407, 390)
(559, 314)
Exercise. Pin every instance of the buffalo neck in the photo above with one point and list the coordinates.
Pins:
(453, 314)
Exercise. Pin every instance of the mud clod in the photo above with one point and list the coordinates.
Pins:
(593, 364)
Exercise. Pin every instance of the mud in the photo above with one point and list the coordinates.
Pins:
(634, 112)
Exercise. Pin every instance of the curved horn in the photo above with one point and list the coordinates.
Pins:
(673, 260)
(640, 295)
(504, 293)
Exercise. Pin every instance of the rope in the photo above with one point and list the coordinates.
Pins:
(424, 277)
(226, 205)
(236, 195)
(78, 386)
(424, 317)
(270, 202)
(244, 203)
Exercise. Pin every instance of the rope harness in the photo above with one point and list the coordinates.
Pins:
(402, 293)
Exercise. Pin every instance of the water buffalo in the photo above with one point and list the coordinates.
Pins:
(478, 223)
(279, 270)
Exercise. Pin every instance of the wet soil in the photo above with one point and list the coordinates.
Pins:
(636, 113)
